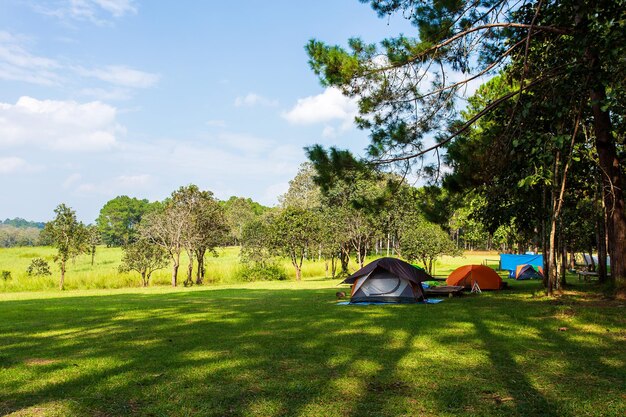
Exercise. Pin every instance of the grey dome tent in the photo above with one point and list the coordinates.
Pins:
(387, 280)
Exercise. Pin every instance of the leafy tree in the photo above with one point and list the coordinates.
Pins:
(294, 232)
(569, 53)
(119, 218)
(11, 236)
(67, 235)
(256, 246)
(143, 257)
(332, 237)
(21, 223)
(238, 212)
(205, 226)
(303, 191)
(165, 227)
(38, 267)
(425, 242)
(94, 238)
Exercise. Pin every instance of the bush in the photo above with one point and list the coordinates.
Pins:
(38, 267)
(257, 272)
(6, 275)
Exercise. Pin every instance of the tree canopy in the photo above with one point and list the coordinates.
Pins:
(562, 68)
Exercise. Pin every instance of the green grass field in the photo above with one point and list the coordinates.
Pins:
(285, 348)
(104, 273)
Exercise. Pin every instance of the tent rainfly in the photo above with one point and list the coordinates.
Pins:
(528, 272)
(469, 275)
(387, 280)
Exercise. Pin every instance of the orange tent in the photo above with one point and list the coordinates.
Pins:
(467, 275)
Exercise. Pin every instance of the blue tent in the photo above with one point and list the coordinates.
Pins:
(511, 262)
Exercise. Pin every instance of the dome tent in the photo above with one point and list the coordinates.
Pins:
(387, 280)
(528, 272)
(466, 276)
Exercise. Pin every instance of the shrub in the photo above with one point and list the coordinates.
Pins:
(38, 267)
(6, 275)
(262, 272)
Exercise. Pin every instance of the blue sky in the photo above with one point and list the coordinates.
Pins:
(100, 98)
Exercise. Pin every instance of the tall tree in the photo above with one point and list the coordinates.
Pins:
(119, 218)
(166, 227)
(425, 242)
(239, 211)
(205, 226)
(408, 88)
(294, 232)
(143, 257)
(94, 238)
(67, 235)
(303, 192)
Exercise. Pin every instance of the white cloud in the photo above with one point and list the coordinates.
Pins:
(327, 106)
(13, 164)
(17, 64)
(252, 99)
(95, 11)
(121, 75)
(60, 125)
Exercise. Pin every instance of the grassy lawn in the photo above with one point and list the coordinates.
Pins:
(285, 348)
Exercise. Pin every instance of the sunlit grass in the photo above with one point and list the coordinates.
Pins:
(220, 269)
(285, 348)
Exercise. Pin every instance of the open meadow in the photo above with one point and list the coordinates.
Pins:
(222, 269)
(285, 348)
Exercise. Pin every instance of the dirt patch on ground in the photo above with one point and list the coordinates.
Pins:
(40, 361)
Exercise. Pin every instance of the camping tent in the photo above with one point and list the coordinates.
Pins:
(528, 272)
(387, 280)
(467, 275)
(511, 262)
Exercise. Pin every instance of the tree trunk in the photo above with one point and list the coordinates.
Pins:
(200, 261)
(552, 257)
(612, 180)
(572, 259)
(544, 240)
(563, 269)
(601, 242)
(93, 254)
(189, 280)
(344, 256)
(144, 282)
(175, 264)
(62, 282)
(388, 244)
(592, 262)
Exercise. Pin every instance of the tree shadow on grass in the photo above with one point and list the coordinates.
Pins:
(262, 352)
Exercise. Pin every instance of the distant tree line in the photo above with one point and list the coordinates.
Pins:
(350, 219)
(19, 232)
(355, 218)
(11, 236)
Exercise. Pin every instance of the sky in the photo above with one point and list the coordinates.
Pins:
(100, 98)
